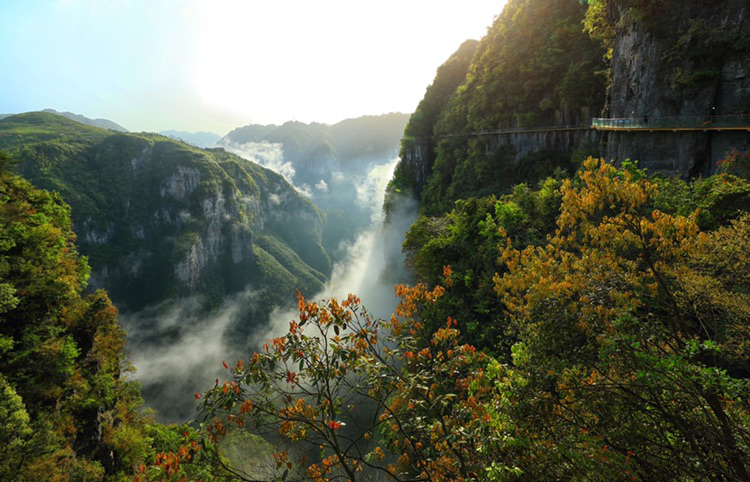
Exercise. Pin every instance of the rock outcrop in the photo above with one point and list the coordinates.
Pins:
(534, 70)
(695, 65)
(162, 220)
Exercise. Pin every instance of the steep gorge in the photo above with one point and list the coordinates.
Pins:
(160, 220)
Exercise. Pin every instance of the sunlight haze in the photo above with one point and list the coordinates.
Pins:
(215, 65)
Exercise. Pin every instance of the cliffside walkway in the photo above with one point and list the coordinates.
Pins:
(640, 124)
(674, 124)
(520, 130)
(507, 131)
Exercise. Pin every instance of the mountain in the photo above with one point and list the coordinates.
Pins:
(159, 219)
(198, 139)
(103, 123)
(417, 143)
(525, 105)
(351, 143)
(169, 226)
(535, 68)
(331, 164)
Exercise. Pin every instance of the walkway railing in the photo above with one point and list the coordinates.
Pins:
(686, 123)
(696, 123)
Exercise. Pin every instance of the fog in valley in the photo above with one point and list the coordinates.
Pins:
(178, 348)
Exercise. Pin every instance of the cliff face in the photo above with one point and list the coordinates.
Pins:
(534, 69)
(159, 219)
(335, 166)
(695, 64)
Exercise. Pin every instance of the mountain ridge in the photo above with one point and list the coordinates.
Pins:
(110, 178)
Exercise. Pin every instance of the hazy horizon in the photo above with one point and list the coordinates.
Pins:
(194, 65)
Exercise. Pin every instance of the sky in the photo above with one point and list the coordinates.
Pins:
(153, 65)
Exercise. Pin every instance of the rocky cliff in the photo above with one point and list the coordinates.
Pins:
(536, 68)
(161, 220)
(333, 165)
(695, 65)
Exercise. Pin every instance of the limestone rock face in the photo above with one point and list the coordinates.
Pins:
(161, 220)
(181, 184)
(418, 156)
(686, 59)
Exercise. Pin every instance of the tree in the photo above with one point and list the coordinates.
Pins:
(633, 334)
(364, 397)
(65, 409)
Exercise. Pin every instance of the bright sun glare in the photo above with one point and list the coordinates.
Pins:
(217, 64)
(324, 61)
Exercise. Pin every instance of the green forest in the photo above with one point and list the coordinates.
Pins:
(569, 317)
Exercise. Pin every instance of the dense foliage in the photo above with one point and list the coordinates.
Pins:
(535, 67)
(633, 333)
(629, 328)
(143, 203)
(66, 411)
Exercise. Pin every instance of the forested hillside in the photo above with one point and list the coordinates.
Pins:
(535, 68)
(66, 410)
(159, 219)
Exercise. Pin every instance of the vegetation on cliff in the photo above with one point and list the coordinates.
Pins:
(160, 219)
(627, 328)
(693, 52)
(420, 131)
(536, 67)
(67, 411)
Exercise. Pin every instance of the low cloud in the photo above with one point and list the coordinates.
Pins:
(269, 155)
(178, 348)
(372, 263)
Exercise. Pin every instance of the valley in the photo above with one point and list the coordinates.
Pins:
(541, 273)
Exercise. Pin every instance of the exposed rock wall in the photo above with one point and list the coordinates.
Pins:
(563, 142)
(679, 59)
(190, 216)
(417, 158)
(516, 151)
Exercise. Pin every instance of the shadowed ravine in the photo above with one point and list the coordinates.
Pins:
(178, 348)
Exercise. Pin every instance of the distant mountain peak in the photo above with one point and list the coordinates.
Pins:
(198, 139)
(103, 123)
